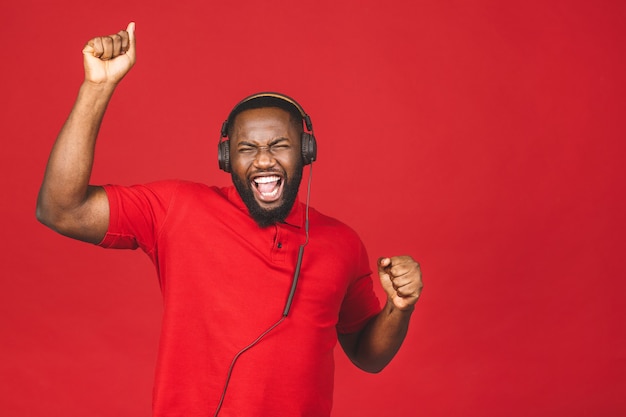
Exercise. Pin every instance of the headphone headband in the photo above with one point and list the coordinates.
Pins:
(308, 144)
(266, 94)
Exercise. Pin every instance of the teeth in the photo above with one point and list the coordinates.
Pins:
(265, 180)
(271, 194)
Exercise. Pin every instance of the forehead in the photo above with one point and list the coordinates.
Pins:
(263, 117)
(267, 122)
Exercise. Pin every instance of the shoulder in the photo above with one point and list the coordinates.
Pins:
(333, 227)
(339, 246)
(162, 192)
(175, 187)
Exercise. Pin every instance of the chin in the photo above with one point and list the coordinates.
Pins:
(268, 213)
(264, 214)
(263, 205)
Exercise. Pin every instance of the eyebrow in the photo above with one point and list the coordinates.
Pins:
(272, 142)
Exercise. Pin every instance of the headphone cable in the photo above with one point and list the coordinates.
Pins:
(241, 352)
(287, 304)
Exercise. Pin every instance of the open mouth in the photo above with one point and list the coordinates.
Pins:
(268, 188)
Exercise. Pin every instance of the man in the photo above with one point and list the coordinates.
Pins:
(228, 259)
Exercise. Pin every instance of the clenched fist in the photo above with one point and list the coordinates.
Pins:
(401, 278)
(107, 59)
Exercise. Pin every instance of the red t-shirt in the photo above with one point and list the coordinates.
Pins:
(224, 281)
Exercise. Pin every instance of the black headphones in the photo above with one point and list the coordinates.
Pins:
(307, 144)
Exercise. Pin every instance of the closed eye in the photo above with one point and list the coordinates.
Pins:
(280, 144)
(277, 145)
(246, 149)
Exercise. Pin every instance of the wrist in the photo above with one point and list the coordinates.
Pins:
(393, 308)
(95, 95)
(92, 99)
(105, 87)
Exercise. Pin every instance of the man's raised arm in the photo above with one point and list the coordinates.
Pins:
(66, 202)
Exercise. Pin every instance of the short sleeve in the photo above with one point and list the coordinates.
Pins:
(360, 303)
(137, 214)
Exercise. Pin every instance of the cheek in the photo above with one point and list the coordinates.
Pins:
(239, 164)
(240, 174)
(292, 161)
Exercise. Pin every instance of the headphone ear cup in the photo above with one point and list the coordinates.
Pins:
(308, 146)
(223, 155)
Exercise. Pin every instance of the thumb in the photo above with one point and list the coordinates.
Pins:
(131, 39)
(383, 266)
(88, 49)
(131, 32)
(385, 276)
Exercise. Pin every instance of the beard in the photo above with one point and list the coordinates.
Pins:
(265, 217)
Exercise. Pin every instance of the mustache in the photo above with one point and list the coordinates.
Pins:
(268, 171)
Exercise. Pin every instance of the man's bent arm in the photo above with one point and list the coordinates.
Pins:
(376, 344)
(66, 202)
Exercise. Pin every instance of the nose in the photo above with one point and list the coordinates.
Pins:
(264, 157)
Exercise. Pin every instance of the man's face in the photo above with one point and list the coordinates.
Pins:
(266, 162)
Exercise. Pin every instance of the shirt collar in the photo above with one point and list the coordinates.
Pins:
(294, 218)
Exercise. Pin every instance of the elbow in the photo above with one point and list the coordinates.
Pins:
(371, 368)
(375, 370)
(366, 355)
(48, 216)
(56, 220)
(372, 364)
(42, 214)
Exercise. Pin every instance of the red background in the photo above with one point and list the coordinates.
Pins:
(485, 138)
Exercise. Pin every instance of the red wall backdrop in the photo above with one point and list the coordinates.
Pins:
(485, 138)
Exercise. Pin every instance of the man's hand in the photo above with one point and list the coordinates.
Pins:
(401, 278)
(108, 59)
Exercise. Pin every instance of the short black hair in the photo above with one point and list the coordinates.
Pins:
(264, 102)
